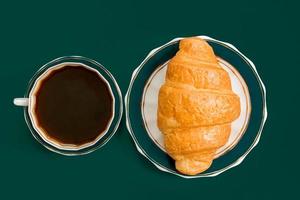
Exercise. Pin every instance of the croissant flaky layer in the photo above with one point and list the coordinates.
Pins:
(196, 106)
(184, 107)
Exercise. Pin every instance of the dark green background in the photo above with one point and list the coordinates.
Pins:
(119, 35)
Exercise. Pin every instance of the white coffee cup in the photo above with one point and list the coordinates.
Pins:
(29, 102)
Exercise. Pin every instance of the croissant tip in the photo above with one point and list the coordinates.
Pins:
(192, 167)
(192, 40)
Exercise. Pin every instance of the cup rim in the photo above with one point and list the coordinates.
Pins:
(32, 99)
(116, 94)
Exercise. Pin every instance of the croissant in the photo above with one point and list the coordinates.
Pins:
(196, 106)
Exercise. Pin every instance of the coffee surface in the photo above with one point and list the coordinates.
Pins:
(73, 105)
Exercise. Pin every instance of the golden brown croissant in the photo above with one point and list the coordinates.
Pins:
(196, 106)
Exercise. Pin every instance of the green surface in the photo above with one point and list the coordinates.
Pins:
(119, 35)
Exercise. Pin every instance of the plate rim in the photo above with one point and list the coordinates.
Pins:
(241, 158)
(248, 105)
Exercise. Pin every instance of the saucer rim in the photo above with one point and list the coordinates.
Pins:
(235, 163)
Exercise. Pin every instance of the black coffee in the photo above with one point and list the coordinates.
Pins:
(73, 105)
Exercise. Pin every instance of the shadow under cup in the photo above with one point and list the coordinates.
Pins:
(29, 103)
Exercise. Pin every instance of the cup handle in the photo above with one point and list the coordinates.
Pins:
(21, 101)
